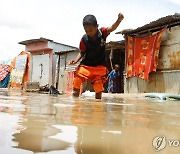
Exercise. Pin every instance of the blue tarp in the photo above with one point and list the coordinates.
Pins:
(4, 83)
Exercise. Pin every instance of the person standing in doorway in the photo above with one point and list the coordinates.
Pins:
(113, 79)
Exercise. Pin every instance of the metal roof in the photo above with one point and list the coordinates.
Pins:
(65, 51)
(115, 45)
(170, 21)
(41, 39)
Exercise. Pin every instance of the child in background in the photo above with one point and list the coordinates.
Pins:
(92, 53)
(113, 79)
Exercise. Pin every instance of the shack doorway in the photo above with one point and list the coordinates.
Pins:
(116, 55)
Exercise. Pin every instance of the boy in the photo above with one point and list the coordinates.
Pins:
(92, 52)
(113, 77)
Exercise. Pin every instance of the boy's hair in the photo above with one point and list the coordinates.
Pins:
(89, 20)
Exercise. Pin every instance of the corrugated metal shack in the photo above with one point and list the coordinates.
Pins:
(43, 59)
(167, 77)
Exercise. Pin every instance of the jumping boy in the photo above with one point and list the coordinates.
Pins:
(92, 52)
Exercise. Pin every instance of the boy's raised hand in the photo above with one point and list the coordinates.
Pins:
(116, 24)
(120, 16)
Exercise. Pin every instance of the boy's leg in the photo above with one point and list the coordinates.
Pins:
(77, 85)
(76, 92)
(98, 88)
(99, 78)
(81, 75)
(98, 95)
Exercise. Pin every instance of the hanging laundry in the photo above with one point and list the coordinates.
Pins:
(142, 54)
(20, 70)
(4, 70)
(70, 79)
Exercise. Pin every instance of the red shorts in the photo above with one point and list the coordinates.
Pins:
(97, 74)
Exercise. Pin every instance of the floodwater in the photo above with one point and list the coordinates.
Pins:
(40, 123)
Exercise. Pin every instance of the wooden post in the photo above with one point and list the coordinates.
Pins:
(58, 67)
(111, 57)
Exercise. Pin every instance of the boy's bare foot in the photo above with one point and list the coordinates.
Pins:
(76, 92)
(98, 95)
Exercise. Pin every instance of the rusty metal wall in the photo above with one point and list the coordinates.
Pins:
(167, 77)
(162, 82)
(169, 56)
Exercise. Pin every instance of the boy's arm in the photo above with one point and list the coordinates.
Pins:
(82, 48)
(79, 56)
(116, 24)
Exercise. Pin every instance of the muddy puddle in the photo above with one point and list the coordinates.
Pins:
(40, 123)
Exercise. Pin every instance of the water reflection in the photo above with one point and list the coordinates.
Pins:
(38, 123)
(36, 137)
